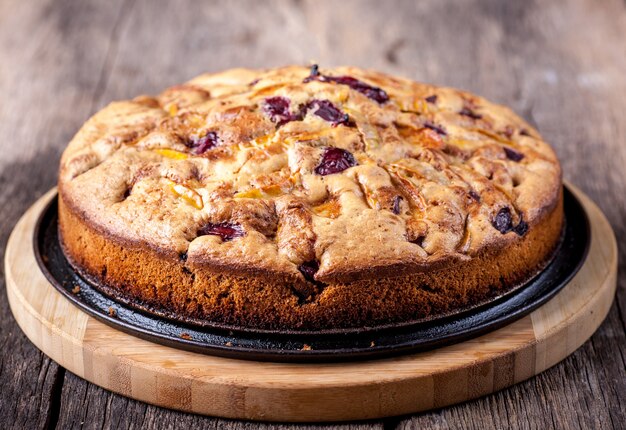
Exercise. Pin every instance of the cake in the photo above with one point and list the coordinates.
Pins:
(305, 198)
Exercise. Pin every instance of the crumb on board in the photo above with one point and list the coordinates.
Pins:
(112, 312)
(228, 344)
(185, 336)
(76, 289)
(306, 347)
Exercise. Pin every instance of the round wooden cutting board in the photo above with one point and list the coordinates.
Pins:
(309, 392)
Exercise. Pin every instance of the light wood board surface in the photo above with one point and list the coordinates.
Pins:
(309, 392)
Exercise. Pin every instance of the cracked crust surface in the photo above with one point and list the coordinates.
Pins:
(297, 191)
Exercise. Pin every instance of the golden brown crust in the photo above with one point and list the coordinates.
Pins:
(144, 276)
(237, 174)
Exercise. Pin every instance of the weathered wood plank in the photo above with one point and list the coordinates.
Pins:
(47, 76)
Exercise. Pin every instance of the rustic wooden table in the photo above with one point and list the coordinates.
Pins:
(561, 65)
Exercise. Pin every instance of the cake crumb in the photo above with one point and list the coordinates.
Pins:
(372, 344)
(228, 344)
(185, 336)
(112, 312)
(76, 289)
(306, 347)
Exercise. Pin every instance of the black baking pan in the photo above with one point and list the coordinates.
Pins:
(322, 345)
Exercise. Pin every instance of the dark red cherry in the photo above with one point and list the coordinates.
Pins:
(503, 221)
(309, 269)
(277, 108)
(334, 160)
(521, 228)
(436, 128)
(226, 230)
(377, 94)
(204, 143)
(470, 113)
(329, 112)
(512, 154)
(432, 99)
(396, 205)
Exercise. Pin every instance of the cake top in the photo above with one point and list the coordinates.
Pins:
(326, 174)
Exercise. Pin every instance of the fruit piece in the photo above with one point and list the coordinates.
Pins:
(436, 128)
(171, 108)
(260, 193)
(329, 112)
(277, 109)
(189, 195)
(335, 160)
(204, 143)
(226, 230)
(508, 131)
(432, 99)
(377, 94)
(512, 154)
(330, 209)
(470, 113)
(171, 153)
(521, 228)
(503, 221)
(396, 205)
(309, 269)
(428, 138)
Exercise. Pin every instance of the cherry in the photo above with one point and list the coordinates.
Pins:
(226, 230)
(396, 205)
(277, 108)
(334, 160)
(436, 128)
(309, 269)
(377, 94)
(512, 154)
(329, 112)
(503, 221)
(470, 113)
(204, 143)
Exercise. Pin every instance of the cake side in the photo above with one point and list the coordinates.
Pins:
(187, 289)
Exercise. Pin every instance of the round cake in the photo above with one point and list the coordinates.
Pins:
(309, 199)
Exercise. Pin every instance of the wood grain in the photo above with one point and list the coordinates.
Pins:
(562, 65)
(309, 392)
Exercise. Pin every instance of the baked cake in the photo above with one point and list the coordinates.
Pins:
(308, 198)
